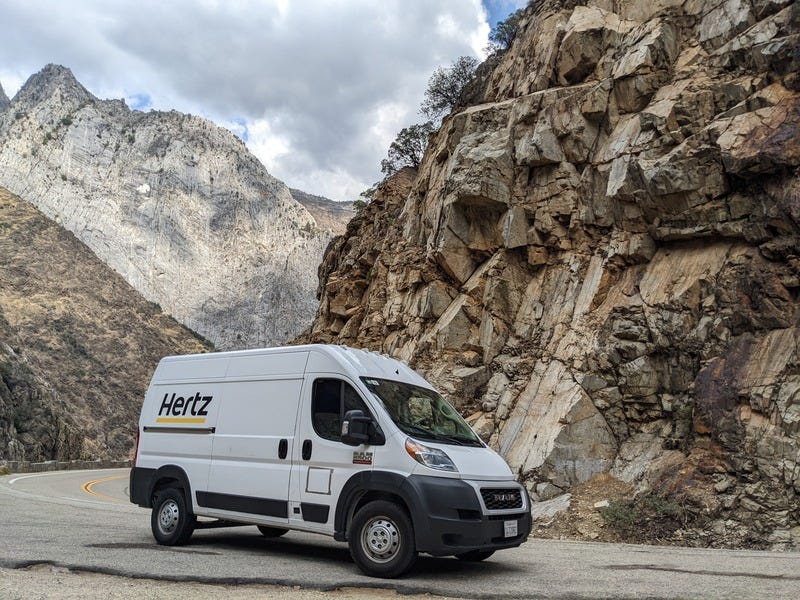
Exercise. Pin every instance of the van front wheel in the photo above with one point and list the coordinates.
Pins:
(381, 539)
(171, 522)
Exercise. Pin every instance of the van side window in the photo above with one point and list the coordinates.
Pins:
(331, 399)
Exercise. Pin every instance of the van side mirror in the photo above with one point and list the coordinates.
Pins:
(357, 429)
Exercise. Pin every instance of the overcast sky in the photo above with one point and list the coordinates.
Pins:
(318, 89)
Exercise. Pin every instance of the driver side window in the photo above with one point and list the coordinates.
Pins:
(330, 400)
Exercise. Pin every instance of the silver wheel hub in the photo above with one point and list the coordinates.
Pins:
(168, 516)
(380, 539)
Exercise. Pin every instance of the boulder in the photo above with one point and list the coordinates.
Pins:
(589, 33)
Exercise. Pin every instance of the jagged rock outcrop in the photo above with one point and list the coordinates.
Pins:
(173, 203)
(78, 345)
(600, 262)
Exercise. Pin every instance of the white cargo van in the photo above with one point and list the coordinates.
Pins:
(327, 439)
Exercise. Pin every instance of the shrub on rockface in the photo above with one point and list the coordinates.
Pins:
(445, 91)
(407, 148)
(446, 87)
(503, 33)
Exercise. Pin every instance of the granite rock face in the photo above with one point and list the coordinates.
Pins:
(173, 203)
(599, 263)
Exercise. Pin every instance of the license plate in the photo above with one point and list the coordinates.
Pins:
(509, 528)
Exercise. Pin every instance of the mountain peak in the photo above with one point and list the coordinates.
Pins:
(109, 176)
(328, 213)
(46, 82)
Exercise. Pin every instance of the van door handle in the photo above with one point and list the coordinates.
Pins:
(306, 449)
(283, 448)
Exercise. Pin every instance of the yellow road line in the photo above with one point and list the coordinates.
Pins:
(87, 487)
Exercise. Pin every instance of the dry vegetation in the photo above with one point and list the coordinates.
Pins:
(77, 344)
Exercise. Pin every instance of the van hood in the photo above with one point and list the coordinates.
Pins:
(476, 463)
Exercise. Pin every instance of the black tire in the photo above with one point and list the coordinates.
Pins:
(271, 532)
(475, 555)
(381, 539)
(171, 521)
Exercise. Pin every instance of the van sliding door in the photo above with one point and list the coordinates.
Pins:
(252, 455)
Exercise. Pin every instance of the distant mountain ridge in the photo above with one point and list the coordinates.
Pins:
(329, 214)
(175, 204)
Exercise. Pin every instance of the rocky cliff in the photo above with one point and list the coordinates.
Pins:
(173, 203)
(78, 345)
(599, 262)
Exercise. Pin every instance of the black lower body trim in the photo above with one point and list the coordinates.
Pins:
(316, 513)
(244, 504)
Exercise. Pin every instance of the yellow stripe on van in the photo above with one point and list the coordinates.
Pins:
(181, 420)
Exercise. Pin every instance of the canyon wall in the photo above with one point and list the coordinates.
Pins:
(598, 260)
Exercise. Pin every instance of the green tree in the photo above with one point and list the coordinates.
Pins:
(504, 32)
(446, 86)
(366, 196)
(407, 148)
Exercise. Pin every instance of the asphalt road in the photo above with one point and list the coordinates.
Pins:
(82, 520)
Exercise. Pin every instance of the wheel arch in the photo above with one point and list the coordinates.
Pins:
(169, 474)
(367, 486)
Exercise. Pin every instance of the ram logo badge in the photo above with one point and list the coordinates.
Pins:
(362, 458)
(505, 497)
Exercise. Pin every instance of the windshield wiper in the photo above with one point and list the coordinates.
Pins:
(432, 435)
(460, 440)
(416, 428)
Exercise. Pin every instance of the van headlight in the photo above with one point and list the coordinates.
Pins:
(430, 457)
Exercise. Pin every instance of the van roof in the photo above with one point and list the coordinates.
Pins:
(285, 360)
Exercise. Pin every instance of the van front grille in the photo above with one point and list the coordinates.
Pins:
(501, 498)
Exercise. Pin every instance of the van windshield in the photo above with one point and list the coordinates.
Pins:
(422, 413)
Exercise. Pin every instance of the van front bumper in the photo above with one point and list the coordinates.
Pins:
(451, 517)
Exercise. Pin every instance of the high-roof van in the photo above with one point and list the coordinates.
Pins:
(325, 439)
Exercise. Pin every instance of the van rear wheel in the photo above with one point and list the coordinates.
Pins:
(171, 521)
(271, 532)
(381, 539)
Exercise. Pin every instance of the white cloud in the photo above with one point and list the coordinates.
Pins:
(269, 146)
(12, 80)
(319, 88)
(387, 119)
